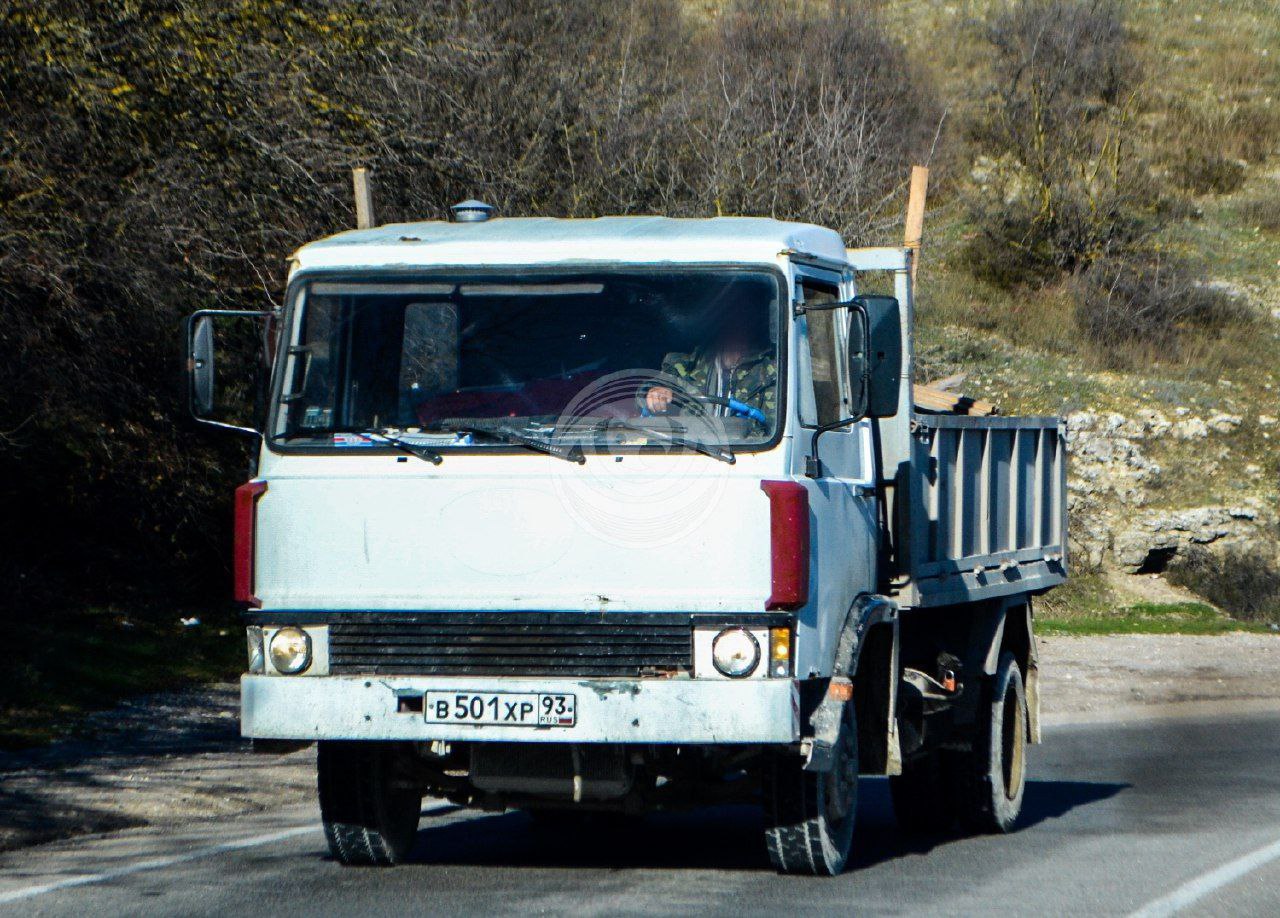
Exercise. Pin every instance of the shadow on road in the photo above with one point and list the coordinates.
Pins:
(714, 838)
(1051, 799)
(880, 840)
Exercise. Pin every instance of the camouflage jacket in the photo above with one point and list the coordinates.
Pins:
(753, 381)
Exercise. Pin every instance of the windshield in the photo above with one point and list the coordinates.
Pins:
(604, 358)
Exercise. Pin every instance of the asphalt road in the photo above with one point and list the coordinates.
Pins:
(1169, 815)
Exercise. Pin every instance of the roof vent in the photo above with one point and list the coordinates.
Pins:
(471, 211)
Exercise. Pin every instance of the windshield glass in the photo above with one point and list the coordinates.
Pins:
(600, 357)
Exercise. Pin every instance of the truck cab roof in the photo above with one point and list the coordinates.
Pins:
(550, 241)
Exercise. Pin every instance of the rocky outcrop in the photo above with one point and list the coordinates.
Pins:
(1153, 539)
(1109, 483)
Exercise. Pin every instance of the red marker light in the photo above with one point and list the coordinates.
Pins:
(242, 551)
(789, 544)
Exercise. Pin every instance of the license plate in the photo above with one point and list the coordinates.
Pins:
(502, 709)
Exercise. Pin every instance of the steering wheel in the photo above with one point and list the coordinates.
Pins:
(735, 407)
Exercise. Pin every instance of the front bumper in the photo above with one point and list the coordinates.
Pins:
(709, 711)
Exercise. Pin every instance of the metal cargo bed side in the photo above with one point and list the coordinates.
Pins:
(986, 509)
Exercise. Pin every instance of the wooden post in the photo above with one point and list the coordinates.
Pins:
(364, 197)
(915, 215)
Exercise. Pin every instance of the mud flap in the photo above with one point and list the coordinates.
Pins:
(825, 721)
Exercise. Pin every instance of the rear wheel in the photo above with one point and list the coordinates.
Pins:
(919, 797)
(809, 816)
(987, 782)
(370, 811)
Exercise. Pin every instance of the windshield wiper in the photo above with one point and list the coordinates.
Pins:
(501, 432)
(412, 449)
(507, 434)
(723, 453)
(377, 436)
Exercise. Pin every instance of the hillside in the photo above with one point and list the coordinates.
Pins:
(1171, 451)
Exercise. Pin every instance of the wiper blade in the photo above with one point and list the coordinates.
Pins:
(723, 453)
(507, 434)
(405, 446)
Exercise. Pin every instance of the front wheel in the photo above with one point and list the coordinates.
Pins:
(809, 816)
(369, 808)
(988, 781)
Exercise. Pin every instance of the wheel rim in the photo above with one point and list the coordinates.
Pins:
(1012, 744)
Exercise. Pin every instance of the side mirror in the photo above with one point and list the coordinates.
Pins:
(859, 381)
(884, 357)
(245, 346)
(201, 367)
(874, 364)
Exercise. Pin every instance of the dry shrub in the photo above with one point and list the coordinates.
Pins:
(1242, 581)
(805, 111)
(1262, 213)
(1141, 308)
(1201, 172)
(1067, 187)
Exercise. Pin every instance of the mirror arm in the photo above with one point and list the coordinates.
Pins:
(223, 426)
(800, 308)
(812, 462)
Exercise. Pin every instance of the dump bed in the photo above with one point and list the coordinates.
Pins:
(985, 508)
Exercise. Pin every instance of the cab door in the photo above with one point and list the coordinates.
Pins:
(842, 505)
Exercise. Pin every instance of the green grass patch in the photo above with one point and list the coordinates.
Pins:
(1146, 618)
(57, 672)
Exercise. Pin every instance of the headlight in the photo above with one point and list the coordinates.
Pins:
(290, 650)
(253, 638)
(735, 652)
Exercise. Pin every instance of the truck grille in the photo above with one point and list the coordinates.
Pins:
(512, 644)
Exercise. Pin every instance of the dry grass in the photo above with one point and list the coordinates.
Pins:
(1262, 213)
(1215, 76)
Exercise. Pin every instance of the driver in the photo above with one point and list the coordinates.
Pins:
(730, 367)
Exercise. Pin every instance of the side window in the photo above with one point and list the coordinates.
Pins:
(314, 365)
(820, 386)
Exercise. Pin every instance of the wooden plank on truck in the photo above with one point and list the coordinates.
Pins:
(364, 197)
(914, 230)
(931, 399)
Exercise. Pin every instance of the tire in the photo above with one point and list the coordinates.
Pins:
(987, 783)
(370, 816)
(809, 816)
(920, 800)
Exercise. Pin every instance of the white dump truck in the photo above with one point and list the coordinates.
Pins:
(631, 513)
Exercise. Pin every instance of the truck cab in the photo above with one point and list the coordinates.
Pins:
(631, 513)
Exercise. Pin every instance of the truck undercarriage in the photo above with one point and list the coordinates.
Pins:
(950, 734)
